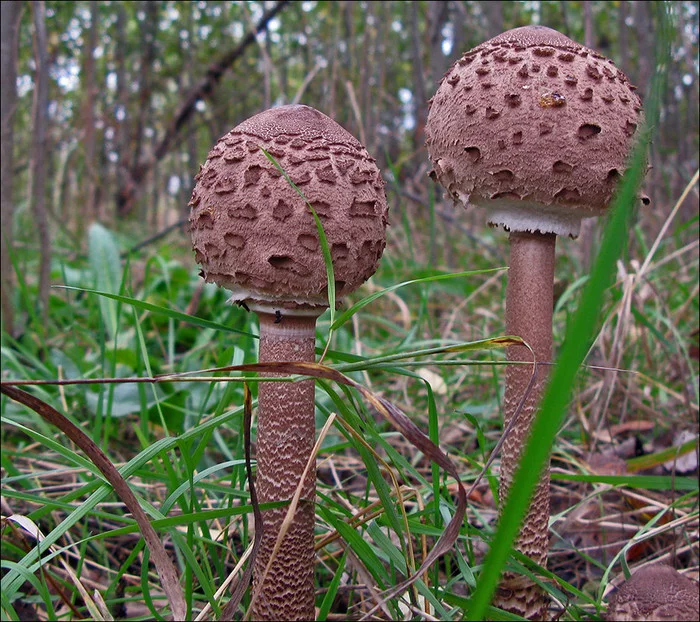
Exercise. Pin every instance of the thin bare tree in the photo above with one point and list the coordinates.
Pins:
(10, 13)
(90, 90)
(37, 165)
(419, 91)
(121, 135)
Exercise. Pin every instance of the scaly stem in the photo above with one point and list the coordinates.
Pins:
(529, 305)
(286, 436)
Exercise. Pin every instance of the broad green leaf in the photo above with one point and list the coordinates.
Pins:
(104, 261)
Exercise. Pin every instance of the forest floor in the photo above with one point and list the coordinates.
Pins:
(624, 462)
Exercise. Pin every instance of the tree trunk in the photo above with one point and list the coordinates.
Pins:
(381, 62)
(420, 99)
(460, 18)
(643, 33)
(645, 42)
(137, 173)
(349, 68)
(438, 14)
(89, 89)
(494, 12)
(150, 211)
(367, 63)
(40, 119)
(565, 18)
(192, 157)
(333, 61)
(121, 138)
(622, 38)
(587, 24)
(687, 117)
(10, 13)
(267, 65)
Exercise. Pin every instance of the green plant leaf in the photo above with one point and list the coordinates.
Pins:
(106, 266)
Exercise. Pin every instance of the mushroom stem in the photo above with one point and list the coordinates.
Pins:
(529, 306)
(285, 440)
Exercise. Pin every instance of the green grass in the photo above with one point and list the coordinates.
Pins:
(191, 479)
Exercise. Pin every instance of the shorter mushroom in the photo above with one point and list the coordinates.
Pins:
(254, 234)
(655, 592)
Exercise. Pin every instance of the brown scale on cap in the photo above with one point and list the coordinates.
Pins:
(535, 127)
(656, 592)
(253, 234)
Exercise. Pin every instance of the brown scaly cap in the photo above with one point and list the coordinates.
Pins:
(535, 127)
(656, 592)
(254, 235)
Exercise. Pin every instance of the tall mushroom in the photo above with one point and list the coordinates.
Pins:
(253, 234)
(536, 129)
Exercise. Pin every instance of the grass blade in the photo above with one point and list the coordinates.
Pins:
(158, 310)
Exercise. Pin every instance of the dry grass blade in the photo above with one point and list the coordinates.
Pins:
(667, 224)
(163, 563)
(96, 606)
(365, 515)
(232, 605)
(28, 526)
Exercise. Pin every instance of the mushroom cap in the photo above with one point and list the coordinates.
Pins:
(534, 127)
(253, 234)
(655, 592)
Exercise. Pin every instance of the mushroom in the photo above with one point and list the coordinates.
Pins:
(253, 234)
(655, 592)
(536, 129)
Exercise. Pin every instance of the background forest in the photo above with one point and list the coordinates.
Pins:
(109, 108)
